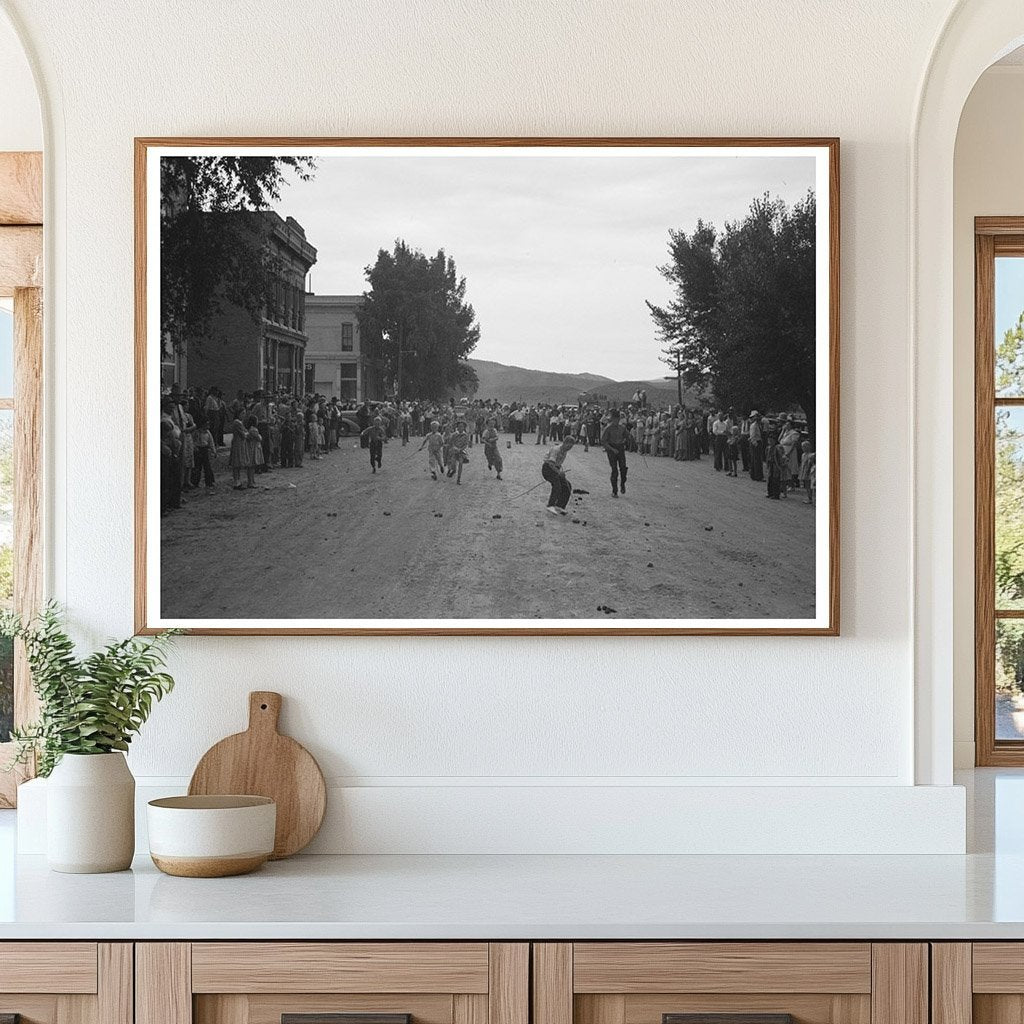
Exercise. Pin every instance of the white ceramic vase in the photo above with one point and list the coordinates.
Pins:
(90, 814)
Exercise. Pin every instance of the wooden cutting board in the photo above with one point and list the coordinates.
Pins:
(262, 762)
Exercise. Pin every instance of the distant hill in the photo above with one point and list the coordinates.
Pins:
(518, 384)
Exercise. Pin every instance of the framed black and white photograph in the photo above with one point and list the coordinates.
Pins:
(499, 386)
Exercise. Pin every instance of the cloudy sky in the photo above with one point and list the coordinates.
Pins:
(559, 248)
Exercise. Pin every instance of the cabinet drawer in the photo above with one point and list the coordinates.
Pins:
(730, 983)
(66, 982)
(340, 967)
(332, 983)
(64, 967)
(635, 967)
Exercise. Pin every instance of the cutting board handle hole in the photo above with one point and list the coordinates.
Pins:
(263, 707)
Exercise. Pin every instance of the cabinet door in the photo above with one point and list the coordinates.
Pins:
(332, 983)
(730, 983)
(980, 982)
(65, 983)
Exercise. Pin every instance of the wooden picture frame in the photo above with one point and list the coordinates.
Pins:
(826, 618)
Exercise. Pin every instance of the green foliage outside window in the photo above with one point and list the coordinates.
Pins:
(1009, 509)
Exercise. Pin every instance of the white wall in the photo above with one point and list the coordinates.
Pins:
(445, 714)
(21, 127)
(988, 171)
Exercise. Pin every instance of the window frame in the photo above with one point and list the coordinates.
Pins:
(27, 405)
(993, 237)
(21, 278)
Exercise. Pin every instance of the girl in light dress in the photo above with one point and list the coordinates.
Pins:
(313, 438)
(807, 474)
(246, 453)
(188, 450)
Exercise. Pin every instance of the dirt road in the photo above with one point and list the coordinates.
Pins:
(332, 540)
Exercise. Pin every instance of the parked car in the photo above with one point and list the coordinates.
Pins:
(348, 425)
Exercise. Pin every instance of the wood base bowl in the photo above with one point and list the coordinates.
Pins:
(211, 836)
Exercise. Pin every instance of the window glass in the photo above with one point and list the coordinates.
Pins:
(1009, 511)
(6, 353)
(1009, 679)
(1009, 327)
(6, 568)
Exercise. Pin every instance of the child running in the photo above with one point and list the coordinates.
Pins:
(552, 471)
(490, 439)
(374, 433)
(434, 442)
(613, 440)
(459, 444)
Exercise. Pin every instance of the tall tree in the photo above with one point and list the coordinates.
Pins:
(208, 263)
(685, 326)
(416, 307)
(743, 313)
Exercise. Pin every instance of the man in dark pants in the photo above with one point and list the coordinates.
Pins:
(613, 439)
(720, 432)
(561, 489)
(756, 447)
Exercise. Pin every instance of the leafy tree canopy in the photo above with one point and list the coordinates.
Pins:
(741, 323)
(416, 309)
(208, 263)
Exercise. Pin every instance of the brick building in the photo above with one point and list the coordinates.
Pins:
(243, 354)
(340, 363)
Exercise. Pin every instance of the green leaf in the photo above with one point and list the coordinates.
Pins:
(90, 705)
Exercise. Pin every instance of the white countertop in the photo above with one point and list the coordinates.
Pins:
(977, 896)
(516, 897)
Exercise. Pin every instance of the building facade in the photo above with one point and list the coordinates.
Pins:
(243, 353)
(340, 363)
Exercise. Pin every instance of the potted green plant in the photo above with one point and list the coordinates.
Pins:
(90, 708)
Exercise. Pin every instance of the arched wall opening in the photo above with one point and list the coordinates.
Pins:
(989, 155)
(21, 131)
(976, 35)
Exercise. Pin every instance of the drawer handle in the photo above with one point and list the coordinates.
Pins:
(339, 1018)
(727, 1018)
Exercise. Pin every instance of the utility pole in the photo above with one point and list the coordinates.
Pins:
(673, 356)
(398, 374)
(678, 378)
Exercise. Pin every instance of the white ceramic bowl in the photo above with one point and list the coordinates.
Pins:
(211, 836)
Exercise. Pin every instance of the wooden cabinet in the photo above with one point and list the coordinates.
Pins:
(66, 982)
(313, 983)
(978, 983)
(748, 982)
(494, 983)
